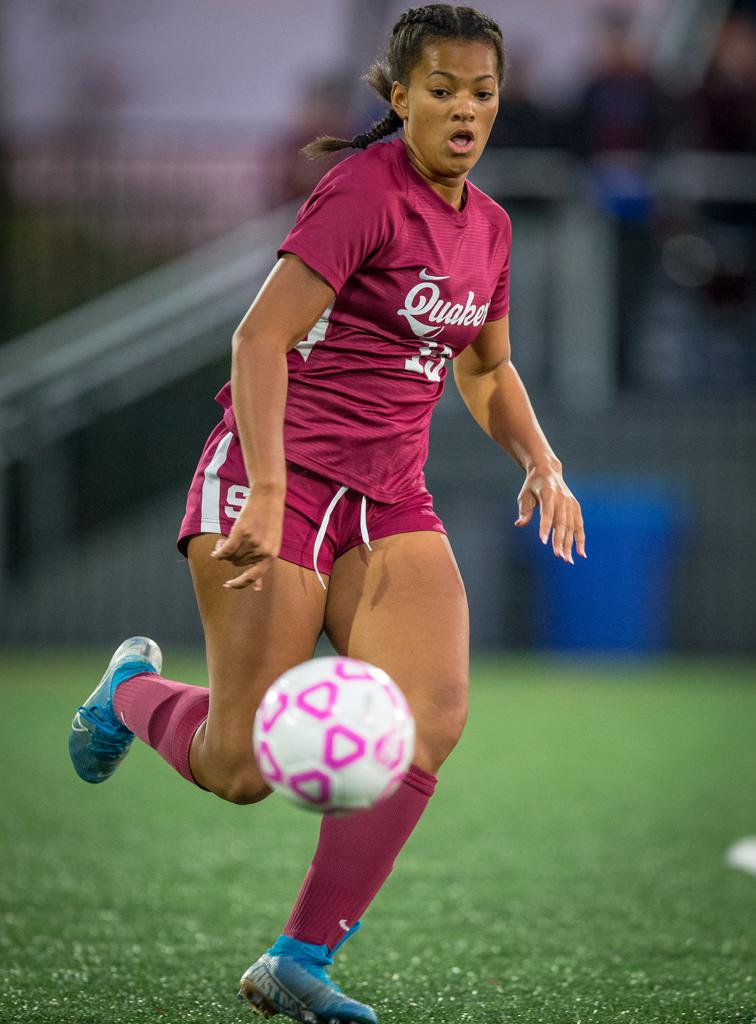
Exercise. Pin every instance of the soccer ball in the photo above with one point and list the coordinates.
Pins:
(334, 735)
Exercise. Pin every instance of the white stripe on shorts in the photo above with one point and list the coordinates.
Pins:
(211, 487)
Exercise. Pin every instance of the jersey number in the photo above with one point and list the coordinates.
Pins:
(429, 367)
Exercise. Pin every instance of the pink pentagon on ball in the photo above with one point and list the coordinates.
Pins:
(389, 750)
(391, 693)
(347, 669)
(314, 787)
(270, 717)
(396, 697)
(352, 747)
(269, 767)
(324, 693)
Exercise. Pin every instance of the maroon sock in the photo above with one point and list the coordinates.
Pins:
(354, 858)
(164, 714)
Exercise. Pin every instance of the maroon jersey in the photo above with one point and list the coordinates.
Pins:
(415, 280)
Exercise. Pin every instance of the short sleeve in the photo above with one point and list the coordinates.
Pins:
(341, 224)
(499, 307)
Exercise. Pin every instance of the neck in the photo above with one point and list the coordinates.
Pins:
(452, 190)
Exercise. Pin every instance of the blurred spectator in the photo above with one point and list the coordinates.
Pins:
(521, 122)
(618, 127)
(619, 109)
(98, 92)
(325, 109)
(618, 123)
(724, 108)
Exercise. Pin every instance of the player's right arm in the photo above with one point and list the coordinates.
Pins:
(287, 306)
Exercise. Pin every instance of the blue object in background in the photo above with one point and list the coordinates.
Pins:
(622, 190)
(619, 599)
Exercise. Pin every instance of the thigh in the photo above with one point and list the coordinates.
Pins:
(251, 637)
(403, 607)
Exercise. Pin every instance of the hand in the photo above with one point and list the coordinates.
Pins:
(255, 538)
(560, 511)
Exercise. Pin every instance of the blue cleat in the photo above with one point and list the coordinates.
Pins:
(291, 979)
(98, 741)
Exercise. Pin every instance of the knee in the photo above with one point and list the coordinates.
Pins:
(439, 731)
(448, 734)
(238, 781)
(240, 789)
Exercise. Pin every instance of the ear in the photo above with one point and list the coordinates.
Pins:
(399, 100)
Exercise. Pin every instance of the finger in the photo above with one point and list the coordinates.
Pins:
(526, 504)
(249, 578)
(569, 539)
(564, 530)
(226, 547)
(547, 515)
(241, 551)
(244, 558)
(580, 535)
(558, 535)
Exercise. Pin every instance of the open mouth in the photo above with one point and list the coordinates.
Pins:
(462, 141)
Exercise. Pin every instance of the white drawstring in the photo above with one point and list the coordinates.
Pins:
(322, 531)
(363, 522)
(324, 528)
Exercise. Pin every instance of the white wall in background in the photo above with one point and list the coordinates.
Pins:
(172, 60)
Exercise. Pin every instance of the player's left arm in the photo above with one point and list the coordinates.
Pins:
(495, 395)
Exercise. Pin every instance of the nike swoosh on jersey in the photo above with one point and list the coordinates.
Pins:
(425, 275)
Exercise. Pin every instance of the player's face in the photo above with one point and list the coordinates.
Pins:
(450, 104)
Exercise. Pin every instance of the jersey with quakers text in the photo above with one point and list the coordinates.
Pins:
(414, 281)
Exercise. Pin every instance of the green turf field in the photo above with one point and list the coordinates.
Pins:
(569, 870)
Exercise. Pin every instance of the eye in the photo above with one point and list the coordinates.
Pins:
(440, 92)
(485, 95)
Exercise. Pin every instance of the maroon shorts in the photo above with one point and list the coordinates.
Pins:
(322, 519)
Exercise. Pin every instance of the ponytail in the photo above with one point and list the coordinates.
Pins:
(332, 144)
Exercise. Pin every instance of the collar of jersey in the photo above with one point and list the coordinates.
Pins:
(458, 217)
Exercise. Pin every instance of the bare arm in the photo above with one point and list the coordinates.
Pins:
(292, 299)
(496, 397)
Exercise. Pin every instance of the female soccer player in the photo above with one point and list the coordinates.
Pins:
(309, 511)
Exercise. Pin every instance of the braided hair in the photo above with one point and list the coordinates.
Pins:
(412, 31)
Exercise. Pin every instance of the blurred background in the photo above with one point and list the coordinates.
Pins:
(150, 166)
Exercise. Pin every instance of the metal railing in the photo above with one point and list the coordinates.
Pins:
(132, 341)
